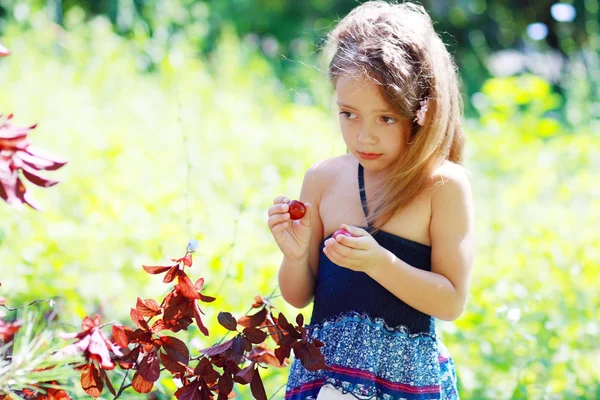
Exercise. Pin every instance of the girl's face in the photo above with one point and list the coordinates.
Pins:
(373, 132)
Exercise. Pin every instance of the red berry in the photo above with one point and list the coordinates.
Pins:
(296, 209)
(341, 232)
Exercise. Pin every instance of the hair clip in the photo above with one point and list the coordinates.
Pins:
(420, 118)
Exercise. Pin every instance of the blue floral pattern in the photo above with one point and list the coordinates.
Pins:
(370, 359)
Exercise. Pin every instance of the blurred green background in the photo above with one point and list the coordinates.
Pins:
(184, 119)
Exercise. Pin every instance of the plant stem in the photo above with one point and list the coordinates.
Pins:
(273, 395)
(123, 386)
(27, 305)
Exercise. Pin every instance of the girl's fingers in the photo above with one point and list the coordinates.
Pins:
(278, 228)
(279, 208)
(333, 255)
(280, 199)
(277, 219)
(353, 242)
(342, 250)
(355, 231)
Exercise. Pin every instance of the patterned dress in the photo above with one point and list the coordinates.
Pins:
(377, 346)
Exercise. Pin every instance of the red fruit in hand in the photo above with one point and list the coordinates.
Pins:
(341, 232)
(297, 209)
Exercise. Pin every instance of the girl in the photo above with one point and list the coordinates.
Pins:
(405, 199)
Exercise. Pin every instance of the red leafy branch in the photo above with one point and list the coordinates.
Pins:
(19, 159)
(148, 351)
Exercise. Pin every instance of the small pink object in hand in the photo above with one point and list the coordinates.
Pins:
(341, 232)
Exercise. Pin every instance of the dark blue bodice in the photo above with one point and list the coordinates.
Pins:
(339, 289)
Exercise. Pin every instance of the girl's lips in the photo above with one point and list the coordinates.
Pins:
(369, 156)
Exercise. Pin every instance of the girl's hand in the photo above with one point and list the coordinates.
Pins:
(361, 252)
(292, 237)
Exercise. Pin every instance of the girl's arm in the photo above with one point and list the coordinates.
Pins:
(297, 277)
(441, 293)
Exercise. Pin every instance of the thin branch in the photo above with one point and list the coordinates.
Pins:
(273, 395)
(123, 386)
(51, 302)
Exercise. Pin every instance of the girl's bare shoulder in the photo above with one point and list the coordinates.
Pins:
(450, 179)
(448, 170)
(329, 170)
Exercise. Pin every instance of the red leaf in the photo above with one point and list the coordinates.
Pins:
(35, 178)
(222, 396)
(207, 299)
(172, 274)
(109, 385)
(158, 325)
(283, 321)
(206, 371)
(225, 383)
(141, 385)
(90, 380)
(187, 260)
(56, 162)
(149, 367)
(227, 321)
(261, 354)
(255, 335)
(272, 323)
(287, 340)
(171, 364)
(148, 308)
(198, 318)
(9, 329)
(300, 320)
(190, 391)
(282, 353)
(130, 359)
(258, 302)
(156, 270)
(310, 356)
(199, 284)
(246, 374)
(119, 336)
(176, 349)
(186, 287)
(240, 345)
(252, 321)
(138, 319)
(88, 324)
(218, 349)
(257, 387)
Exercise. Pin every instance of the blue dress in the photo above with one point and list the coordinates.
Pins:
(377, 346)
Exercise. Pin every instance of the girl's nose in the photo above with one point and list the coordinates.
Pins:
(367, 136)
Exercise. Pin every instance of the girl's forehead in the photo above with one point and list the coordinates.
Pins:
(357, 91)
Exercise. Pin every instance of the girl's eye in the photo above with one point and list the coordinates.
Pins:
(388, 120)
(348, 114)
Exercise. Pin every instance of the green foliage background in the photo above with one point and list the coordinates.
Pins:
(198, 147)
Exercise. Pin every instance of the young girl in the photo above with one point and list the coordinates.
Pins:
(401, 193)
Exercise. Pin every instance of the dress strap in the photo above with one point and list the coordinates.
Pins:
(361, 190)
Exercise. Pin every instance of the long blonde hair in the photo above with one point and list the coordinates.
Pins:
(396, 46)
